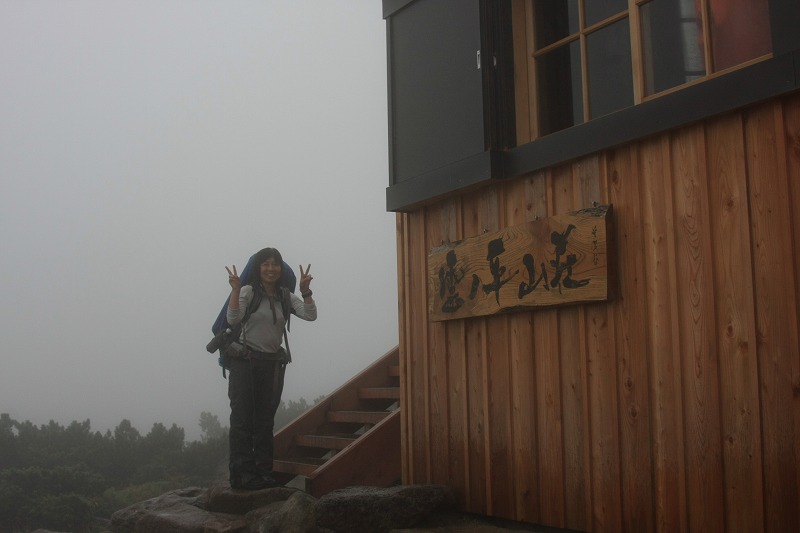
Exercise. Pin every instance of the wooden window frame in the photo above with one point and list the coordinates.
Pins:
(580, 36)
(718, 92)
(633, 15)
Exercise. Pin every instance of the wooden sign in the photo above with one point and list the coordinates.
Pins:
(555, 261)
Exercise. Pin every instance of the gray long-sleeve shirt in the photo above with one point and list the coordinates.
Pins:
(260, 331)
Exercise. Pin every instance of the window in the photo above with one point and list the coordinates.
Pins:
(594, 57)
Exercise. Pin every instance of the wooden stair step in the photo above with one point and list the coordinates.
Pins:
(328, 442)
(357, 417)
(394, 371)
(296, 468)
(379, 393)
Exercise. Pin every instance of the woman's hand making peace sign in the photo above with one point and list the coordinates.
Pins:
(305, 281)
(233, 279)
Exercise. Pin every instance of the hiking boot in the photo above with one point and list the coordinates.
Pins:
(269, 480)
(255, 483)
(265, 473)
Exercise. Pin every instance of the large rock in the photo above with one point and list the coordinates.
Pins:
(296, 515)
(379, 510)
(283, 510)
(177, 511)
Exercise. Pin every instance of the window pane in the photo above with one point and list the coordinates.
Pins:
(739, 31)
(608, 58)
(554, 20)
(671, 44)
(597, 10)
(560, 97)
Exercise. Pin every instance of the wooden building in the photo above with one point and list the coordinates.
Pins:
(673, 405)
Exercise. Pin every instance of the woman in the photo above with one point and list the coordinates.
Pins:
(258, 361)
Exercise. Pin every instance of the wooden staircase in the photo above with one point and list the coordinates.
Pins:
(352, 437)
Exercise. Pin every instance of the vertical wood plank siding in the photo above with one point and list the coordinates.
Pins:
(675, 407)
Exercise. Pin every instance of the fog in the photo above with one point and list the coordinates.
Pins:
(144, 146)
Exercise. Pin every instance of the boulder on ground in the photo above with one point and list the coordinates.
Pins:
(220, 509)
(179, 511)
(377, 510)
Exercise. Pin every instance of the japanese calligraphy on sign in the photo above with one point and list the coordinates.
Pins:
(555, 261)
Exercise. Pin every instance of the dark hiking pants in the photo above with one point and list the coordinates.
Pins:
(254, 389)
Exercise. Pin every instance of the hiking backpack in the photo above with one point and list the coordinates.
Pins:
(287, 284)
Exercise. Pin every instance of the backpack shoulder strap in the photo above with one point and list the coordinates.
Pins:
(286, 304)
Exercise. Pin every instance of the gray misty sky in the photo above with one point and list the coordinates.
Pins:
(147, 144)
